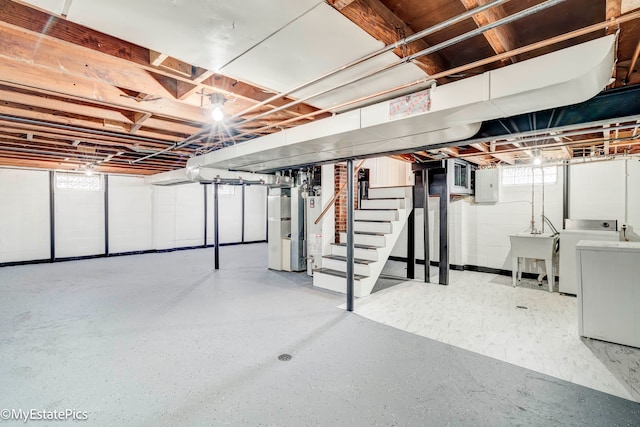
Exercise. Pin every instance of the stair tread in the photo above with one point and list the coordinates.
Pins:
(374, 220)
(338, 273)
(358, 246)
(384, 198)
(344, 258)
(369, 233)
(377, 209)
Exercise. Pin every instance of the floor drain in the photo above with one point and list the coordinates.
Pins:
(521, 306)
(285, 357)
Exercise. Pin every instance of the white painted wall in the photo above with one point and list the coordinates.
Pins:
(479, 233)
(178, 216)
(255, 213)
(79, 222)
(130, 214)
(633, 199)
(141, 216)
(489, 225)
(388, 172)
(607, 190)
(328, 222)
(151, 217)
(230, 210)
(597, 190)
(24, 215)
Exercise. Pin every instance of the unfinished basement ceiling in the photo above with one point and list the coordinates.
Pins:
(110, 83)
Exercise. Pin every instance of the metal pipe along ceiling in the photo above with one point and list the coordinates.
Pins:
(495, 58)
(470, 34)
(387, 48)
(430, 50)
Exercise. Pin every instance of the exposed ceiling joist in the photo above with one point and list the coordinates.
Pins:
(502, 39)
(380, 22)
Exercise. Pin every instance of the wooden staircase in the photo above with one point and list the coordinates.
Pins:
(377, 225)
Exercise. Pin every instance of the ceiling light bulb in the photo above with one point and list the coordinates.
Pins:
(537, 161)
(217, 114)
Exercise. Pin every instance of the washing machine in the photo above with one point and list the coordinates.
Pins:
(575, 231)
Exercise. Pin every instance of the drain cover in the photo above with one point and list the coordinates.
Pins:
(522, 306)
(285, 357)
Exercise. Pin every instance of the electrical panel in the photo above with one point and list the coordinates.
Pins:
(487, 185)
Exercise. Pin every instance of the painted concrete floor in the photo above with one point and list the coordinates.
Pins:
(526, 326)
(162, 340)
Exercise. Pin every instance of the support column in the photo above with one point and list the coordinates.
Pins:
(216, 250)
(52, 216)
(411, 243)
(443, 276)
(350, 277)
(106, 215)
(425, 235)
(206, 213)
(242, 219)
(565, 193)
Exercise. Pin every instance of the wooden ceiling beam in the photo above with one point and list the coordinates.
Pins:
(481, 146)
(43, 80)
(67, 135)
(450, 151)
(7, 160)
(75, 36)
(509, 158)
(502, 39)
(613, 10)
(101, 125)
(49, 102)
(139, 119)
(384, 25)
(634, 61)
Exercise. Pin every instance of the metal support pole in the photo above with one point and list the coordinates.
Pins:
(206, 213)
(52, 216)
(565, 193)
(425, 207)
(444, 234)
(411, 243)
(216, 250)
(349, 235)
(106, 215)
(243, 204)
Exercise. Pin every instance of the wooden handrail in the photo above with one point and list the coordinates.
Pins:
(337, 194)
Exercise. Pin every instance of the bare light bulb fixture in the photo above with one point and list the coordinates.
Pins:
(217, 101)
(537, 157)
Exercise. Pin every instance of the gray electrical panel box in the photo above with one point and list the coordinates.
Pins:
(487, 185)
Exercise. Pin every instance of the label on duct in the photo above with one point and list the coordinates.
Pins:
(408, 105)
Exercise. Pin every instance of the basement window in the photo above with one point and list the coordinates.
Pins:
(76, 181)
(523, 175)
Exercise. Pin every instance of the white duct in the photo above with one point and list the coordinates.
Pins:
(197, 174)
(456, 112)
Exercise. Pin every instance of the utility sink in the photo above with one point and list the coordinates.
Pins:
(536, 246)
